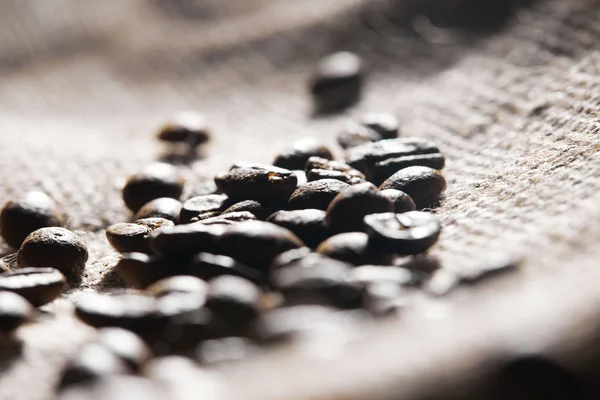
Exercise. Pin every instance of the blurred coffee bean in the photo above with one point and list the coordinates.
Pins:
(15, 311)
(295, 156)
(257, 182)
(289, 257)
(385, 124)
(155, 181)
(355, 134)
(25, 214)
(354, 248)
(235, 300)
(163, 207)
(309, 224)
(316, 194)
(330, 165)
(402, 202)
(208, 266)
(179, 285)
(423, 184)
(138, 270)
(386, 168)
(317, 174)
(260, 210)
(55, 248)
(184, 241)
(39, 286)
(188, 127)
(126, 345)
(347, 210)
(133, 237)
(412, 232)
(337, 82)
(225, 351)
(231, 218)
(196, 206)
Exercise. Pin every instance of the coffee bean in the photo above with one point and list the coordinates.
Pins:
(356, 134)
(231, 218)
(179, 285)
(347, 210)
(385, 124)
(14, 311)
(28, 213)
(155, 181)
(133, 237)
(163, 207)
(184, 241)
(55, 248)
(337, 82)
(402, 202)
(226, 351)
(257, 182)
(330, 165)
(257, 243)
(196, 206)
(295, 157)
(386, 168)
(316, 194)
(423, 184)
(186, 127)
(354, 248)
(289, 257)
(412, 232)
(235, 300)
(126, 345)
(309, 225)
(38, 285)
(208, 266)
(260, 210)
(317, 174)
(139, 270)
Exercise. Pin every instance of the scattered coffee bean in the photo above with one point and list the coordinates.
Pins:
(139, 270)
(316, 194)
(257, 243)
(423, 184)
(163, 207)
(126, 345)
(133, 237)
(201, 205)
(14, 311)
(385, 124)
(402, 202)
(155, 181)
(356, 134)
(257, 182)
(39, 286)
(317, 174)
(28, 213)
(260, 210)
(412, 232)
(186, 127)
(295, 157)
(231, 218)
(348, 209)
(337, 82)
(386, 168)
(184, 241)
(208, 266)
(289, 257)
(182, 284)
(309, 225)
(226, 351)
(354, 248)
(55, 248)
(330, 165)
(234, 299)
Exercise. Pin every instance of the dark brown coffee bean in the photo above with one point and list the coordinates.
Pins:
(330, 165)
(402, 202)
(28, 213)
(309, 225)
(260, 210)
(337, 82)
(231, 218)
(317, 174)
(386, 168)
(14, 311)
(185, 241)
(234, 299)
(295, 157)
(354, 248)
(133, 237)
(38, 285)
(155, 181)
(208, 266)
(176, 285)
(186, 127)
(289, 258)
(257, 243)
(226, 351)
(196, 206)
(55, 248)
(385, 124)
(347, 210)
(316, 194)
(356, 134)
(413, 232)
(423, 184)
(257, 182)
(139, 270)
(126, 345)
(163, 207)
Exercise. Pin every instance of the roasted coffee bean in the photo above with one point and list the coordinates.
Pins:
(202, 217)
(289, 258)
(115, 387)
(402, 202)
(14, 311)
(208, 266)
(386, 168)
(91, 363)
(133, 237)
(330, 165)
(184, 241)
(412, 232)
(28, 213)
(260, 210)
(226, 350)
(139, 270)
(163, 207)
(317, 174)
(356, 134)
(316, 194)
(257, 182)
(337, 82)
(309, 225)
(39, 286)
(234, 299)
(55, 248)
(257, 243)
(365, 156)
(182, 284)
(354, 248)
(231, 218)
(423, 184)
(126, 345)
(295, 157)
(186, 127)
(196, 206)
(347, 210)
(385, 124)
(155, 181)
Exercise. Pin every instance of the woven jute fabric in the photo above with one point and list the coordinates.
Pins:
(83, 86)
